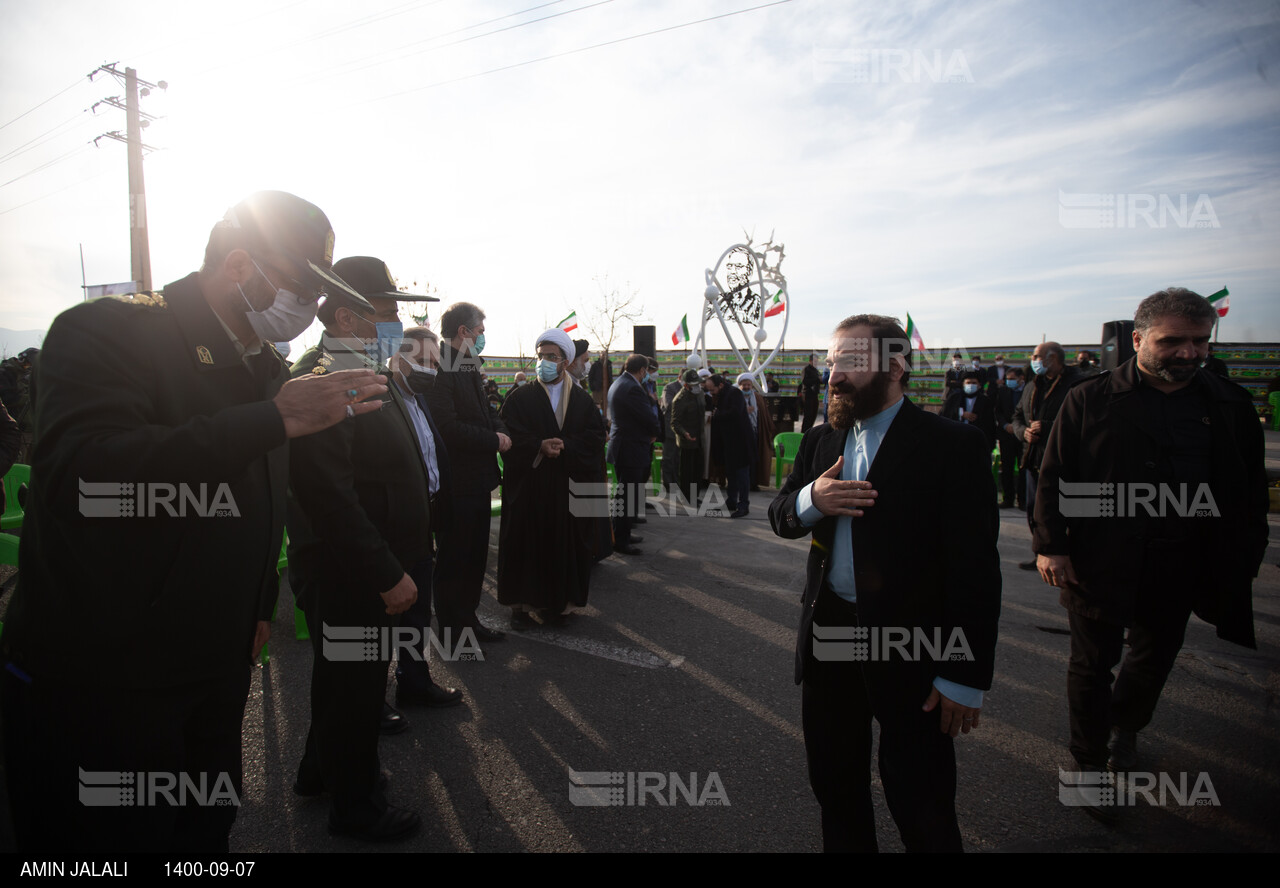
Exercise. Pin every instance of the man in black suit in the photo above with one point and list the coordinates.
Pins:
(359, 522)
(474, 436)
(732, 442)
(633, 427)
(954, 377)
(1012, 485)
(857, 486)
(413, 372)
(996, 375)
(971, 405)
(810, 383)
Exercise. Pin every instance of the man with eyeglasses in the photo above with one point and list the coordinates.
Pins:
(151, 537)
(557, 435)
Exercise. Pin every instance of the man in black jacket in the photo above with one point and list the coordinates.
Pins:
(1033, 418)
(1012, 486)
(1152, 505)
(857, 486)
(474, 435)
(153, 529)
(732, 442)
(970, 404)
(359, 523)
(633, 429)
(810, 383)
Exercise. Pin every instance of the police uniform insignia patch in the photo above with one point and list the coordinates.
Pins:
(318, 371)
(203, 354)
(151, 300)
(328, 247)
(325, 360)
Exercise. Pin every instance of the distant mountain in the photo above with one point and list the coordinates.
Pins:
(14, 341)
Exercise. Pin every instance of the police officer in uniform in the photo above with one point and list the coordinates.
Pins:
(151, 536)
(359, 521)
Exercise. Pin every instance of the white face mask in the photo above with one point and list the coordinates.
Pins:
(283, 320)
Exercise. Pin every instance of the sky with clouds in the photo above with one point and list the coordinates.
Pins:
(1003, 171)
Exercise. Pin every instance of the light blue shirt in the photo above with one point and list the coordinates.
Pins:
(426, 441)
(860, 448)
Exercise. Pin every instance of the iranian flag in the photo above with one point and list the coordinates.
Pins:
(777, 306)
(913, 334)
(682, 332)
(1221, 301)
(570, 323)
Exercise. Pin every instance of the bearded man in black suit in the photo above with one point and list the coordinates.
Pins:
(879, 570)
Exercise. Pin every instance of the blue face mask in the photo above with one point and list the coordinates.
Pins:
(970, 389)
(1037, 366)
(1011, 383)
(478, 346)
(390, 335)
(548, 371)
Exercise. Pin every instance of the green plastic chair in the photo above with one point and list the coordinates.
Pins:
(18, 475)
(8, 549)
(1273, 399)
(785, 447)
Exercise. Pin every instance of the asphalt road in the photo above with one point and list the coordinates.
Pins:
(682, 666)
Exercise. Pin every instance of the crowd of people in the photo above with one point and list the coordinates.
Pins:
(379, 451)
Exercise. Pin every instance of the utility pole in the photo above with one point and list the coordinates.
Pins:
(135, 121)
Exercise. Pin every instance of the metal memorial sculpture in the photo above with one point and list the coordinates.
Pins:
(746, 290)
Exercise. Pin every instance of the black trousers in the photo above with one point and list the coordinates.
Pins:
(462, 553)
(690, 472)
(55, 732)
(1156, 636)
(809, 401)
(346, 703)
(415, 675)
(917, 760)
(1009, 452)
(630, 499)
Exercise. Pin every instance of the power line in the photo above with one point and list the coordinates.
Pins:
(381, 59)
(58, 191)
(24, 146)
(42, 104)
(47, 164)
(567, 52)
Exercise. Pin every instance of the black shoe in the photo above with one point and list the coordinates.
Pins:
(633, 539)
(487, 635)
(739, 513)
(626, 549)
(392, 721)
(1006, 505)
(434, 696)
(731, 506)
(1027, 565)
(1124, 750)
(639, 520)
(394, 824)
